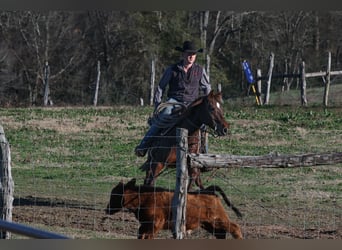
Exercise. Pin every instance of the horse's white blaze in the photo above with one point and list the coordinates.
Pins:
(218, 105)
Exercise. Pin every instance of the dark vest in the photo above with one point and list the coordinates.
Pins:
(184, 87)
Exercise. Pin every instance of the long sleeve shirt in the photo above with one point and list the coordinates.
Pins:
(184, 87)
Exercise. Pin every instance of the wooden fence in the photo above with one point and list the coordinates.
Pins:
(274, 160)
(6, 183)
(302, 75)
(6, 199)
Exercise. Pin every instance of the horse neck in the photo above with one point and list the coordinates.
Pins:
(192, 122)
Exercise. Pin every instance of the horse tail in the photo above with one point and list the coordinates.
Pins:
(213, 188)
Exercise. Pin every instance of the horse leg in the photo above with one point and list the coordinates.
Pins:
(191, 180)
(149, 178)
(152, 173)
(146, 231)
(235, 230)
(195, 177)
(222, 227)
(198, 179)
(149, 173)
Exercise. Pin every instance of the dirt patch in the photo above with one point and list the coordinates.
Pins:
(84, 222)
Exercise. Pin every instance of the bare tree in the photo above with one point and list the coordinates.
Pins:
(220, 21)
(34, 51)
(290, 36)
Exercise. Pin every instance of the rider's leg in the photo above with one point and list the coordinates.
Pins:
(145, 143)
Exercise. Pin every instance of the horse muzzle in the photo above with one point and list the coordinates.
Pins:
(221, 130)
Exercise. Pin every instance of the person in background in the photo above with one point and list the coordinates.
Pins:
(186, 81)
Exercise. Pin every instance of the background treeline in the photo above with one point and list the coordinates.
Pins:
(56, 53)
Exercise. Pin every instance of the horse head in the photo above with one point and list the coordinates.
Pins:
(212, 113)
(205, 110)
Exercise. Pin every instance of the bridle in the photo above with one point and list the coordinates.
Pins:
(203, 127)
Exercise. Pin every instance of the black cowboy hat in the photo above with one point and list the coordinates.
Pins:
(189, 46)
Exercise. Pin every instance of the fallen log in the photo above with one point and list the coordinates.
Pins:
(272, 160)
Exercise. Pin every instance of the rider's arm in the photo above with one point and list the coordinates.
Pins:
(161, 86)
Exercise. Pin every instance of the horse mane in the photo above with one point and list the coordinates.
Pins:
(176, 117)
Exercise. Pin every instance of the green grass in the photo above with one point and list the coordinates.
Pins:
(79, 153)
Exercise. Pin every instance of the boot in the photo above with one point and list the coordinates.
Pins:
(146, 142)
(140, 151)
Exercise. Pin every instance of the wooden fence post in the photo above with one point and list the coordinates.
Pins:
(303, 85)
(327, 83)
(258, 85)
(6, 183)
(268, 87)
(182, 179)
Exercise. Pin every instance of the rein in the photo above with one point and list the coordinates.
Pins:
(209, 131)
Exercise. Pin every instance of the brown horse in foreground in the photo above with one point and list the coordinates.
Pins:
(205, 110)
(152, 207)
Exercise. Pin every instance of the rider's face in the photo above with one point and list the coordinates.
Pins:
(189, 58)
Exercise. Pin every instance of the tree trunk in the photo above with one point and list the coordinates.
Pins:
(210, 45)
(46, 84)
(153, 76)
(97, 84)
(204, 20)
(286, 79)
(317, 38)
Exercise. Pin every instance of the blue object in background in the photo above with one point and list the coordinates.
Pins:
(248, 72)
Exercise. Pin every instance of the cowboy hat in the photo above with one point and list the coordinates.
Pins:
(189, 47)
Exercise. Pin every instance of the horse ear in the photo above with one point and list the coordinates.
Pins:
(131, 182)
(219, 97)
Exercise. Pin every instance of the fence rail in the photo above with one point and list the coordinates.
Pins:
(228, 161)
(29, 231)
(275, 160)
(302, 75)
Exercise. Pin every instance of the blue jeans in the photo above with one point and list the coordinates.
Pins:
(155, 130)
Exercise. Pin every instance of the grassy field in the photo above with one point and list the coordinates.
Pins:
(70, 157)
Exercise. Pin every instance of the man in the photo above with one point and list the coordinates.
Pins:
(185, 80)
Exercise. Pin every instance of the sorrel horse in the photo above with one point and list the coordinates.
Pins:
(205, 110)
(152, 206)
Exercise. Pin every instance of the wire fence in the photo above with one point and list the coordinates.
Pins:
(63, 177)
